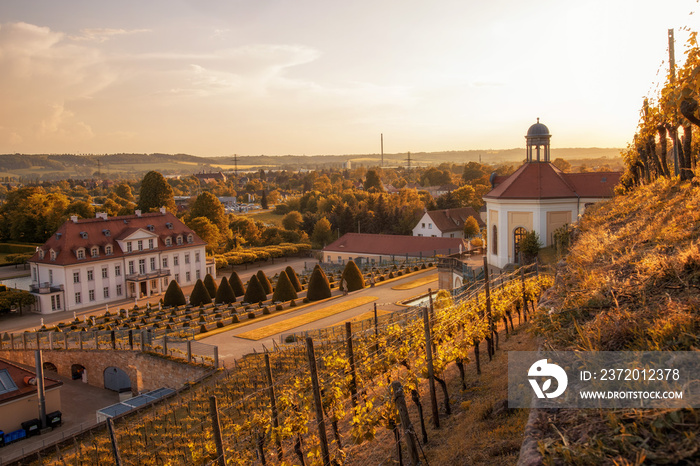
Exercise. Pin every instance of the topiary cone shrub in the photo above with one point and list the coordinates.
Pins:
(284, 291)
(174, 295)
(254, 293)
(236, 284)
(265, 282)
(200, 295)
(354, 280)
(224, 295)
(319, 288)
(293, 277)
(210, 284)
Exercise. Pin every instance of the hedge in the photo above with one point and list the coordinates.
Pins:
(353, 277)
(265, 282)
(293, 278)
(200, 295)
(225, 293)
(243, 256)
(319, 288)
(210, 284)
(284, 291)
(236, 284)
(254, 292)
(174, 295)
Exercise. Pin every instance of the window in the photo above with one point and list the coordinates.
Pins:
(139, 245)
(452, 235)
(176, 260)
(150, 243)
(430, 226)
(339, 259)
(95, 251)
(117, 270)
(165, 262)
(494, 240)
(7, 385)
(91, 295)
(153, 263)
(41, 253)
(119, 290)
(128, 246)
(131, 267)
(104, 272)
(80, 253)
(168, 241)
(196, 257)
(187, 276)
(105, 292)
(53, 255)
(165, 282)
(177, 278)
(55, 302)
(108, 249)
(518, 235)
(76, 277)
(142, 266)
(190, 238)
(77, 297)
(50, 276)
(179, 239)
(198, 274)
(187, 258)
(422, 225)
(91, 275)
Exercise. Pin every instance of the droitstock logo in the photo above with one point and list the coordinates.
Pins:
(542, 368)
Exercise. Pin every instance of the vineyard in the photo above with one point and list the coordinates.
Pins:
(320, 401)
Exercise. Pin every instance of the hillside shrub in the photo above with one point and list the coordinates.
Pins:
(234, 319)
(279, 307)
(200, 295)
(254, 291)
(319, 288)
(284, 291)
(353, 278)
(266, 311)
(210, 284)
(251, 315)
(236, 284)
(174, 295)
(265, 282)
(293, 277)
(224, 295)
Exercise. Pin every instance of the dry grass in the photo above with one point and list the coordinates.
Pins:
(416, 283)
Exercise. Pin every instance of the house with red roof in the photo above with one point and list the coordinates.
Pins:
(446, 223)
(539, 197)
(102, 260)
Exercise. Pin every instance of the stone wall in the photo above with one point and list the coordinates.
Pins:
(146, 372)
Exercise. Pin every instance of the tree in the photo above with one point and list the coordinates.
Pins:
(322, 234)
(200, 295)
(292, 221)
(530, 246)
(224, 294)
(206, 230)
(319, 287)
(210, 284)
(447, 201)
(254, 292)
(473, 171)
(471, 227)
(373, 181)
(562, 164)
(284, 290)
(155, 193)
(353, 277)
(207, 205)
(263, 200)
(236, 284)
(123, 190)
(264, 281)
(174, 295)
(293, 277)
(12, 297)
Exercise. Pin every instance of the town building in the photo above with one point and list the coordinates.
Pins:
(19, 399)
(366, 248)
(539, 197)
(210, 177)
(446, 223)
(103, 260)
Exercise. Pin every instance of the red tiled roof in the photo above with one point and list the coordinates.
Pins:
(18, 374)
(396, 245)
(542, 180)
(86, 233)
(453, 219)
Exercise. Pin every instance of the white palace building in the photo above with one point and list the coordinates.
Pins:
(103, 260)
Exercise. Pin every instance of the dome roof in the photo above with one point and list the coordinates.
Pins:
(538, 129)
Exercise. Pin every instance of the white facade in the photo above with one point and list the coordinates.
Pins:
(426, 227)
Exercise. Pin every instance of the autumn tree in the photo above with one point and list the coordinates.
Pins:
(562, 164)
(155, 192)
(322, 234)
(207, 205)
(292, 221)
(471, 227)
(206, 230)
(373, 181)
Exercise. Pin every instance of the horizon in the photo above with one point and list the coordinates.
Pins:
(319, 78)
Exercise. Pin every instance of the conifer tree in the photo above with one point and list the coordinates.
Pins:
(353, 277)
(236, 284)
(200, 295)
(210, 284)
(319, 288)
(284, 291)
(224, 294)
(293, 278)
(254, 292)
(174, 295)
(264, 281)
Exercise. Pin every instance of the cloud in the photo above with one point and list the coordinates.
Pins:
(104, 34)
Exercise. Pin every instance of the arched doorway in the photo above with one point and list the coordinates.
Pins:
(518, 235)
(117, 380)
(50, 367)
(77, 371)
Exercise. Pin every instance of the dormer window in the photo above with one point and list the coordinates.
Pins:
(179, 239)
(150, 227)
(128, 246)
(139, 245)
(80, 253)
(41, 253)
(83, 234)
(108, 249)
(190, 238)
(169, 225)
(95, 251)
(106, 233)
(52, 255)
(168, 241)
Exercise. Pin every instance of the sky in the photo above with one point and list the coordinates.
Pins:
(316, 77)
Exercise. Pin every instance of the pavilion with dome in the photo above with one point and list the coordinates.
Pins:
(538, 196)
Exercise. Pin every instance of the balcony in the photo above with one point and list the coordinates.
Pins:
(139, 277)
(44, 288)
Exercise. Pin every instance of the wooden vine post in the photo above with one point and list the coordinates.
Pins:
(522, 283)
(351, 359)
(400, 401)
(487, 291)
(113, 438)
(376, 330)
(273, 405)
(317, 401)
(429, 362)
(214, 410)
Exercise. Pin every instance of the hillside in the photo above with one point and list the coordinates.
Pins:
(630, 283)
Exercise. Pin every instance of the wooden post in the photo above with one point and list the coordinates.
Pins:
(214, 410)
(165, 344)
(408, 433)
(488, 303)
(80, 339)
(431, 375)
(325, 455)
(114, 339)
(522, 282)
(351, 358)
(38, 341)
(97, 339)
(113, 438)
(273, 404)
(189, 350)
(131, 339)
(376, 330)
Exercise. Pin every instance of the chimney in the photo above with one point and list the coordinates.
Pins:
(74, 218)
(162, 210)
(102, 215)
(137, 212)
